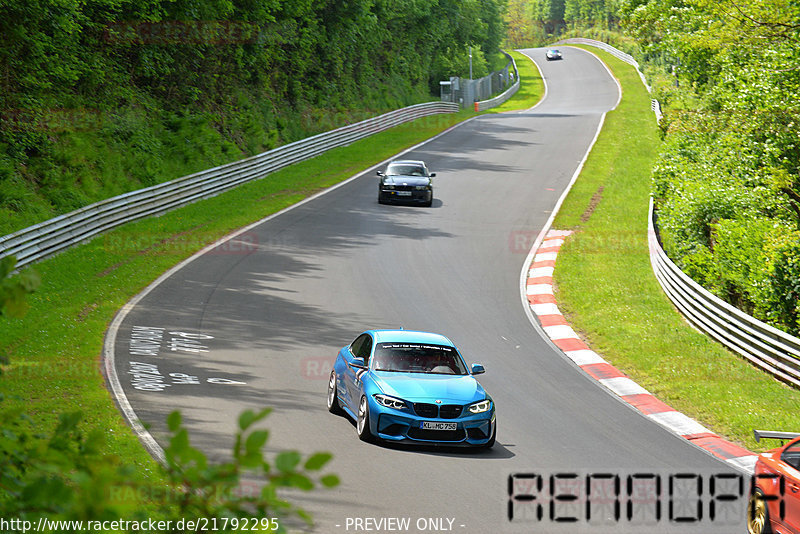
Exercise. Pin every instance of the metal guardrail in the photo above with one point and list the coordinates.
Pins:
(55, 235)
(767, 347)
(655, 105)
(483, 105)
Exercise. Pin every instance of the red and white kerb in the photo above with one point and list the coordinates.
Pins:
(543, 304)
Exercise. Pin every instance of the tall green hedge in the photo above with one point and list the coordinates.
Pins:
(727, 182)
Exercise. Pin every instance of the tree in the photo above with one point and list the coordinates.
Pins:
(727, 183)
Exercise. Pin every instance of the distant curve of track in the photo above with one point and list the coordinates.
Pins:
(258, 322)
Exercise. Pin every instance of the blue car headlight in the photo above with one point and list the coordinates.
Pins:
(481, 407)
(391, 402)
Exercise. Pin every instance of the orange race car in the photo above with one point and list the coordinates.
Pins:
(774, 506)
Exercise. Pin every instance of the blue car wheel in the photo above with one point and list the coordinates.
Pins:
(333, 397)
(362, 424)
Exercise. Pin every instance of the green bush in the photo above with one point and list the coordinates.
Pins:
(727, 181)
(726, 216)
(739, 258)
(686, 218)
(67, 476)
(14, 290)
(781, 302)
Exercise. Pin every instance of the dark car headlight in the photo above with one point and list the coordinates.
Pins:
(391, 402)
(480, 407)
(388, 186)
(422, 187)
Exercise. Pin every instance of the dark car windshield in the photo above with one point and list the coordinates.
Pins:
(418, 358)
(406, 170)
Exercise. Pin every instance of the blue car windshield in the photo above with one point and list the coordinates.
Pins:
(418, 358)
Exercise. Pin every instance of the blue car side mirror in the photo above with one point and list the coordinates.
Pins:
(358, 362)
(477, 369)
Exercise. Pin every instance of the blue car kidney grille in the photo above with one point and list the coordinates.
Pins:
(447, 411)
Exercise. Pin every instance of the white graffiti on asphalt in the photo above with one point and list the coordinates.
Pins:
(147, 341)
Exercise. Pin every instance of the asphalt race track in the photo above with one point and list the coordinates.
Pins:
(257, 322)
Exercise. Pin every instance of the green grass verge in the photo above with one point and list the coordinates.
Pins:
(607, 290)
(54, 350)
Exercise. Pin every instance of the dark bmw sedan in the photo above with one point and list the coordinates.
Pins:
(406, 181)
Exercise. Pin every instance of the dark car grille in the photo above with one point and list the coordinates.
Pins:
(450, 411)
(426, 410)
(447, 411)
(404, 187)
(436, 435)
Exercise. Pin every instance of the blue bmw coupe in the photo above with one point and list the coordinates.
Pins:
(414, 387)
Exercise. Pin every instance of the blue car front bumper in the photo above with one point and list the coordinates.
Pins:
(402, 426)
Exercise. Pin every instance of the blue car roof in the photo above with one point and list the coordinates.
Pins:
(410, 336)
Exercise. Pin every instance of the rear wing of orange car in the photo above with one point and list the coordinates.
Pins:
(770, 434)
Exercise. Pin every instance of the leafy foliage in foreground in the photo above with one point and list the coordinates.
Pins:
(727, 183)
(66, 475)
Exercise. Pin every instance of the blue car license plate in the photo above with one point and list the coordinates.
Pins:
(404, 193)
(434, 425)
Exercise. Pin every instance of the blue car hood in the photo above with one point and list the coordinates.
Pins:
(421, 387)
